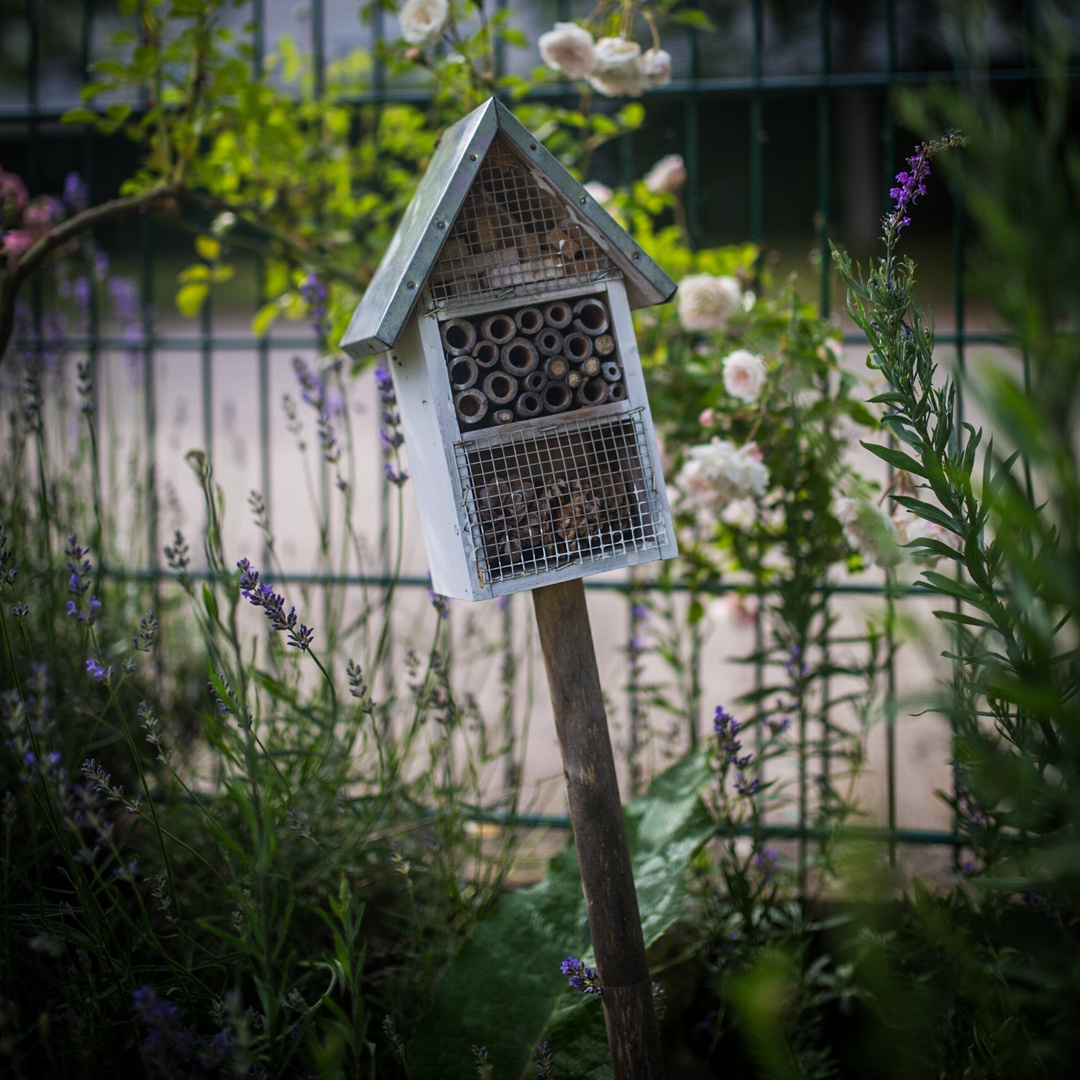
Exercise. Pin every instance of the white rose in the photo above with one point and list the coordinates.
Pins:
(869, 531)
(600, 192)
(718, 472)
(744, 375)
(707, 302)
(912, 528)
(656, 64)
(668, 174)
(617, 68)
(423, 21)
(568, 48)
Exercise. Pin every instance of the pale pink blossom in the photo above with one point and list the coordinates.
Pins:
(568, 48)
(13, 193)
(618, 69)
(657, 66)
(16, 241)
(744, 375)
(600, 192)
(423, 21)
(912, 528)
(718, 471)
(707, 302)
(668, 174)
(869, 531)
(707, 417)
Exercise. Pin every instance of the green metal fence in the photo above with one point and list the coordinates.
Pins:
(760, 112)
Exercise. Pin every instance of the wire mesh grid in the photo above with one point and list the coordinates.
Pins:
(560, 494)
(513, 237)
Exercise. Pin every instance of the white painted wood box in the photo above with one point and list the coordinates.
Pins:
(503, 307)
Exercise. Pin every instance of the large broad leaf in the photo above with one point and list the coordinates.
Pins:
(504, 990)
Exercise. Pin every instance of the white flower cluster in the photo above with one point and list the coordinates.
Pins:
(717, 472)
(706, 302)
(869, 531)
(614, 66)
(879, 539)
(423, 21)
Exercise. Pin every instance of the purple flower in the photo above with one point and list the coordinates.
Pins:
(543, 1060)
(125, 298)
(97, 672)
(260, 594)
(312, 387)
(767, 860)
(76, 192)
(80, 291)
(580, 977)
(439, 603)
(313, 292)
(396, 478)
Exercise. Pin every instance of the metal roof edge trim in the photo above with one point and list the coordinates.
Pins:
(388, 302)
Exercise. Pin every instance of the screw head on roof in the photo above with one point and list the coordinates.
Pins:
(410, 284)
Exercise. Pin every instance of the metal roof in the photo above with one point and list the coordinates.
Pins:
(412, 254)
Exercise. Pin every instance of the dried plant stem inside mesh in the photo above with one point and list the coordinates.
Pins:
(564, 493)
(532, 360)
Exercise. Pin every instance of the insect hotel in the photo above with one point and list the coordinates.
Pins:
(503, 305)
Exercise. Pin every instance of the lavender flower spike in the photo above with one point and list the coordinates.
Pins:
(581, 977)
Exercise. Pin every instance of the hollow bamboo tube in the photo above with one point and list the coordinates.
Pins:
(611, 371)
(577, 346)
(558, 314)
(458, 336)
(549, 341)
(557, 397)
(617, 391)
(498, 328)
(590, 366)
(590, 316)
(486, 353)
(535, 381)
(604, 345)
(500, 388)
(556, 367)
(471, 406)
(573, 379)
(593, 392)
(463, 372)
(607, 879)
(519, 357)
(529, 320)
(503, 416)
(528, 405)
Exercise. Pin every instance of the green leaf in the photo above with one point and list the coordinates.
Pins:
(896, 458)
(504, 990)
(79, 116)
(693, 18)
(190, 298)
(208, 247)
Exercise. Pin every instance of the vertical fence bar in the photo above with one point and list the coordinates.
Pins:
(757, 129)
(889, 159)
(692, 142)
(824, 159)
(262, 344)
(149, 359)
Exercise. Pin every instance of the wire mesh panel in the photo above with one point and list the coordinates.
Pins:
(560, 493)
(513, 237)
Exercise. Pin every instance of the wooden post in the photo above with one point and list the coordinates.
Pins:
(599, 832)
